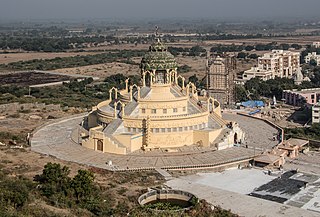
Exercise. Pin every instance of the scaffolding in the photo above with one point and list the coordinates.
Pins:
(221, 73)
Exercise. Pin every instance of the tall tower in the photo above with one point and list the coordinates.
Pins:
(220, 79)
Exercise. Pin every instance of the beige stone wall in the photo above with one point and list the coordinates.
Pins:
(109, 146)
(169, 122)
(92, 119)
(201, 137)
(132, 142)
(136, 142)
(148, 107)
(171, 140)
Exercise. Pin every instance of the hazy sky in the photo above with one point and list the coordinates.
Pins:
(75, 9)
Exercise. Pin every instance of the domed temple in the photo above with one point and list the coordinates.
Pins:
(163, 112)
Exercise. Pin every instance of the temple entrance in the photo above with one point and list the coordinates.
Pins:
(235, 138)
(100, 145)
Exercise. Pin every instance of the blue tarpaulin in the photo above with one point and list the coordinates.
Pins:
(254, 112)
(253, 103)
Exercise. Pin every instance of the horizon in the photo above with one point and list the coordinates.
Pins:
(166, 9)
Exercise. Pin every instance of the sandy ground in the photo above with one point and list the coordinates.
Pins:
(197, 64)
(103, 70)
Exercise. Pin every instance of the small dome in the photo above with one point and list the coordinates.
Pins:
(158, 58)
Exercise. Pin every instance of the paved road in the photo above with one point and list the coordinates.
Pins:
(258, 133)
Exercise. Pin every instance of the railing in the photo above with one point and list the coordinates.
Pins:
(218, 119)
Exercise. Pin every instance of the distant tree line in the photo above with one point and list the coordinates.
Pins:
(258, 47)
(185, 51)
(75, 61)
(46, 44)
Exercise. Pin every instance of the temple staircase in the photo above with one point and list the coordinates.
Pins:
(110, 130)
(218, 119)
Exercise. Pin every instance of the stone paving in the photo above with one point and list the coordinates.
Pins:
(56, 140)
(259, 134)
(243, 205)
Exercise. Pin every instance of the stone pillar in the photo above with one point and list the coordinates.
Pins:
(115, 110)
(110, 95)
(131, 94)
(122, 109)
(167, 76)
(154, 76)
(188, 90)
(176, 77)
(138, 93)
(127, 81)
(143, 79)
(183, 80)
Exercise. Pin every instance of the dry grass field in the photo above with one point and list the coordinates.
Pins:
(25, 56)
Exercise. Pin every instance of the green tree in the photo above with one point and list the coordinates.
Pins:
(242, 55)
(54, 179)
(83, 184)
(313, 62)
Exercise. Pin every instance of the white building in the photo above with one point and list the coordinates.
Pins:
(316, 113)
(279, 62)
(316, 44)
(312, 56)
(256, 72)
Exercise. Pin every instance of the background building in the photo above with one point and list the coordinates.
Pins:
(221, 76)
(312, 56)
(316, 113)
(299, 97)
(279, 62)
(316, 44)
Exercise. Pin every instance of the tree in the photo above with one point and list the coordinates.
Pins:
(193, 79)
(54, 178)
(313, 62)
(249, 48)
(242, 55)
(83, 184)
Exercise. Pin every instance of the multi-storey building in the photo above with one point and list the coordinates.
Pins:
(279, 62)
(312, 56)
(316, 113)
(316, 44)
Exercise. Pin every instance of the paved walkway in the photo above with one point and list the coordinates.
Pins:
(240, 204)
(56, 140)
(259, 134)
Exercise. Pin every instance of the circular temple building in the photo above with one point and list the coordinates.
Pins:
(163, 112)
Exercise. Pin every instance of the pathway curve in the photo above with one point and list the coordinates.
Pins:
(259, 134)
(55, 140)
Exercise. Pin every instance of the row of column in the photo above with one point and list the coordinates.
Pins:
(171, 76)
